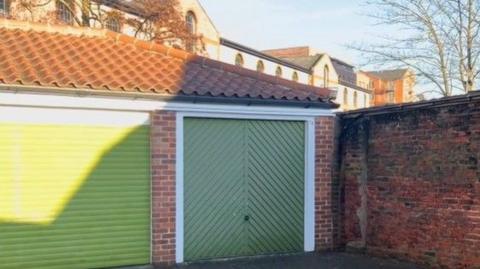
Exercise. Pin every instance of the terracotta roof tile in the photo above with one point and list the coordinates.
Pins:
(68, 57)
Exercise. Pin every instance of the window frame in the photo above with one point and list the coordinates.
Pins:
(64, 13)
(239, 60)
(3, 7)
(355, 99)
(260, 66)
(108, 25)
(295, 76)
(192, 27)
(279, 71)
(326, 76)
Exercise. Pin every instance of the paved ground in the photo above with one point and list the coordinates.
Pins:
(308, 261)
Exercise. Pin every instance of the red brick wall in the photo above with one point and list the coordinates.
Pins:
(289, 52)
(163, 184)
(163, 187)
(324, 192)
(422, 184)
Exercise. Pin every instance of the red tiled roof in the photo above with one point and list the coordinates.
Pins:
(99, 60)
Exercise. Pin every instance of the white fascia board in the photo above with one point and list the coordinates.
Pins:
(81, 101)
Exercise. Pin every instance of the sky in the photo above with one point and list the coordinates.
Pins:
(327, 25)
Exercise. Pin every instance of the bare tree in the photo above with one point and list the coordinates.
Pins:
(154, 20)
(438, 40)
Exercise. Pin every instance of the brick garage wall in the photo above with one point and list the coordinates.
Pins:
(411, 184)
(326, 189)
(163, 151)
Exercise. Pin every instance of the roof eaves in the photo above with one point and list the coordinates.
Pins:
(326, 104)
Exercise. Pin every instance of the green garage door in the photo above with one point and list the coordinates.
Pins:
(244, 187)
(74, 196)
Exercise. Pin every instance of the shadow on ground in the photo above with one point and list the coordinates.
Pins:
(308, 261)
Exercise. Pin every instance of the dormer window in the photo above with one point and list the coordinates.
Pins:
(64, 13)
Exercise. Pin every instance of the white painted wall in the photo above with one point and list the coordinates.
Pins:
(349, 105)
(228, 55)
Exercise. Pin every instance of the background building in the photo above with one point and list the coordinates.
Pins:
(334, 73)
(393, 86)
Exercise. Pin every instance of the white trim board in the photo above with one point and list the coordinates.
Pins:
(309, 217)
(136, 104)
(65, 116)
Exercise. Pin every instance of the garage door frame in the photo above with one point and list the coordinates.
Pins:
(309, 198)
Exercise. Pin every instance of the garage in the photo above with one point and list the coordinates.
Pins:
(120, 152)
(244, 187)
(74, 188)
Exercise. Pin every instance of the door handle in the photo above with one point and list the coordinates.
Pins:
(246, 218)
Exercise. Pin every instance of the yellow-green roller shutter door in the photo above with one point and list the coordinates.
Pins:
(75, 194)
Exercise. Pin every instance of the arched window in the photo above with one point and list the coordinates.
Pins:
(191, 21)
(239, 60)
(278, 72)
(345, 96)
(113, 24)
(355, 100)
(64, 13)
(295, 76)
(260, 66)
(326, 76)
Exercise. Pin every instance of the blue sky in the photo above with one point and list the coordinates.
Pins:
(327, 25)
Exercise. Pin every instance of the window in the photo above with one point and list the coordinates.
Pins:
(390, 97)
(345, 96)
(113, 24)
(64, 13)
(278, 72)
(3, 7)
(355, 100)
(239, 60)
(191, 22)
(295, 76)
(365, 101)
(326, 76)
(260, 67)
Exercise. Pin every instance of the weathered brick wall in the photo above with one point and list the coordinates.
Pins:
(163, 151)
(418, 174)
(325, 198)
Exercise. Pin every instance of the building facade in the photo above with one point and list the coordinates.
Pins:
(393, 86)
(334, 73)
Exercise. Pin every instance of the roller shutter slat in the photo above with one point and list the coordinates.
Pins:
(74, 196)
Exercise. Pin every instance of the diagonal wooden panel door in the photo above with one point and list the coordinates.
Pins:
(244, 187)
(275, 176)
(214, 185)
